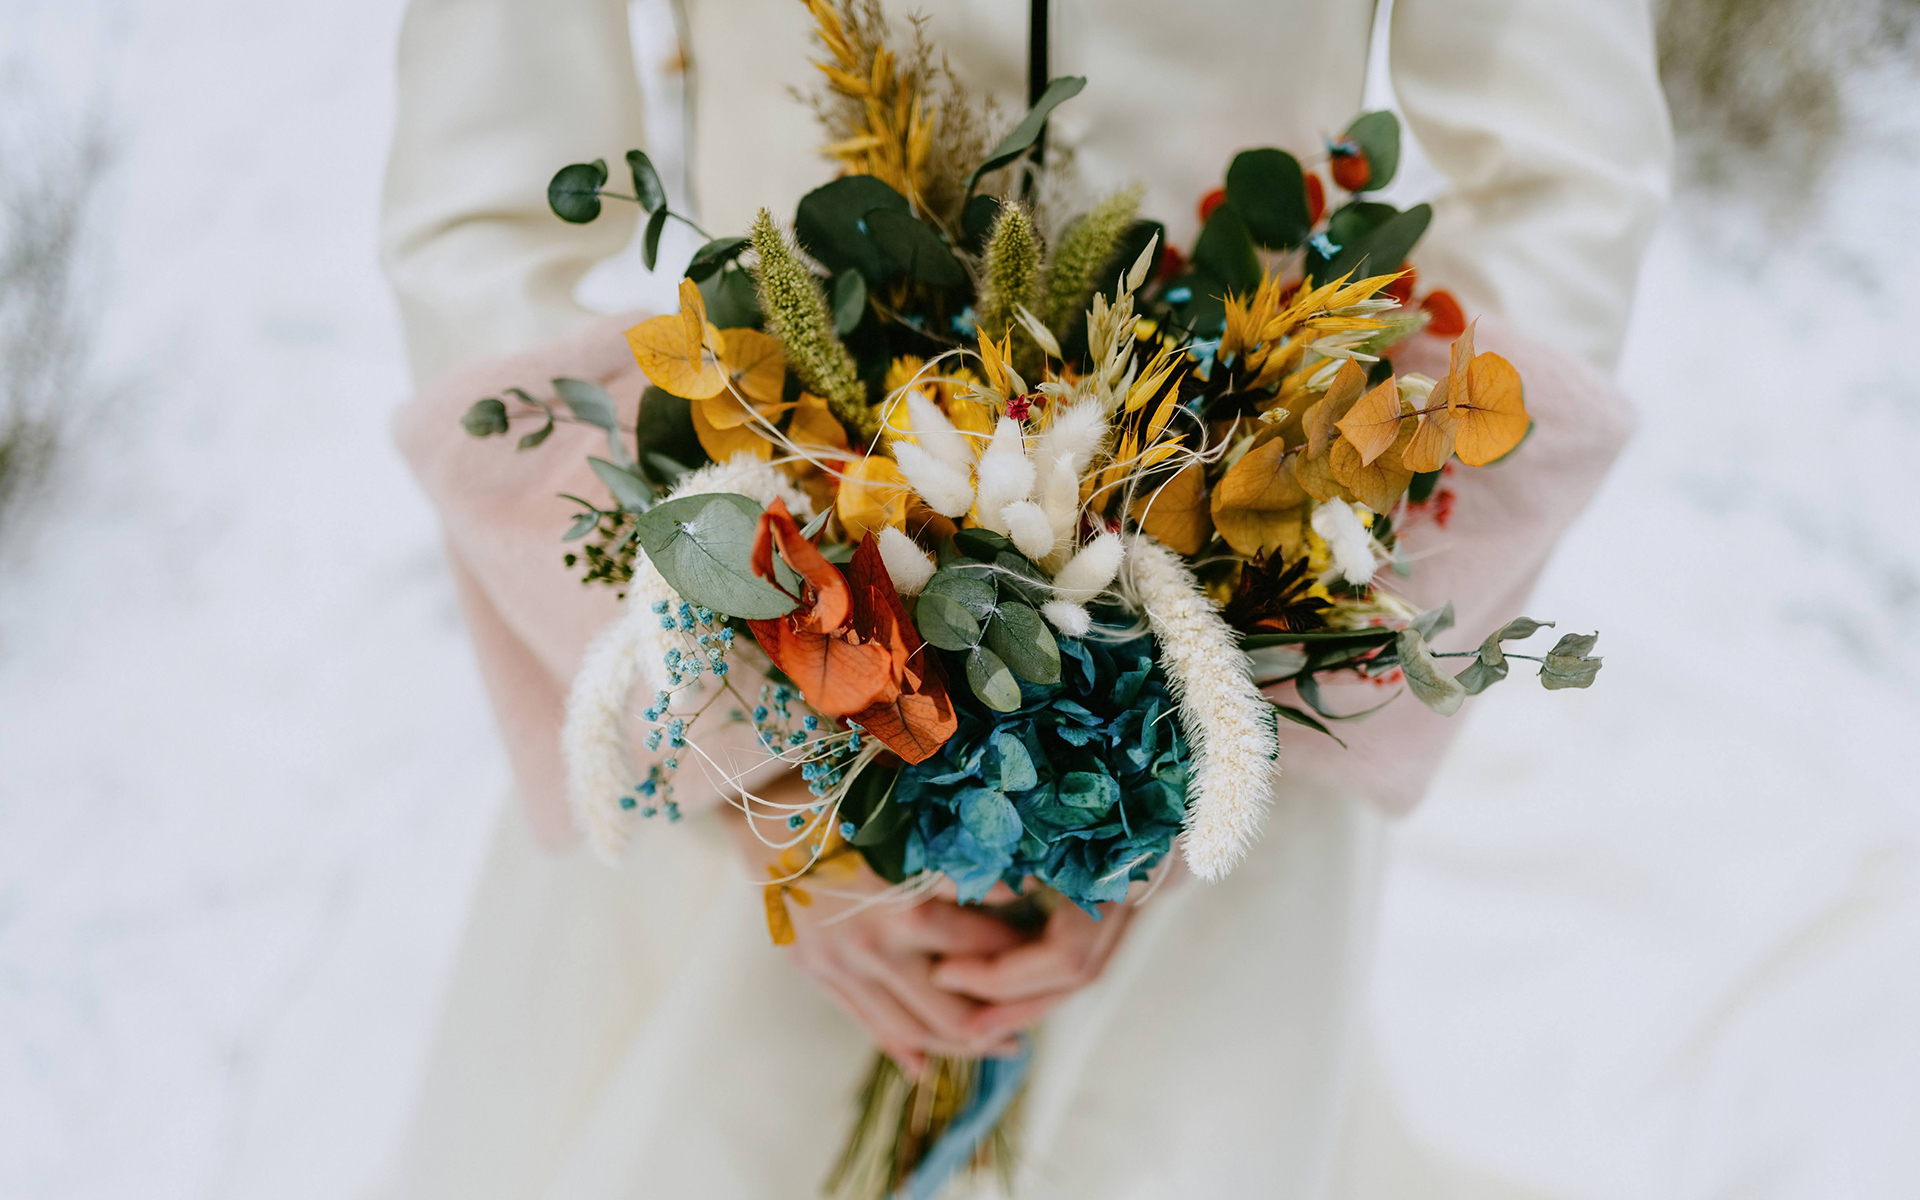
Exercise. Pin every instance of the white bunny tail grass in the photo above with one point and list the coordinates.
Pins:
(1229, 726)
(1089, 571)
(1348, 539)
(1066, 616)
(907, 564)
(937, 435)
(946, 488)
(1006, 474)
(1028, 526)
(593, 740)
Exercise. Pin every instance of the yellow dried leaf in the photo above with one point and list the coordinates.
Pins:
(814, 427)
(676, 350)
(1159, 368)
(722, 442)
(756, 364)
(1161, 416)
(1433, 433)
(1175, 514)
(1373, 422)
(1379, 484)
(1314, 474)
(1348, 382)
(1459, 380)
(1496, 419)
(779, 923)
(873, 495)
(1256, 505)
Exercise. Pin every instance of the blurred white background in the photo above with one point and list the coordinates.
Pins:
(1660, 939)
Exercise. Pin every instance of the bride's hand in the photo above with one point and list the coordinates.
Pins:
(877, 963)
(1021, 984)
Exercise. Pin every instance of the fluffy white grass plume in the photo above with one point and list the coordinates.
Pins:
(907, 564)
(1028, 526)
(1229, 726)
(1006, 474)
(634, 647)
(1068, 617)
(947, 489)
(936, 434)
(1090, 570)
(1348, 539)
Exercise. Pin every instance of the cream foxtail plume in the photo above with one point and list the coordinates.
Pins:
(599, 762)
(1228, 724)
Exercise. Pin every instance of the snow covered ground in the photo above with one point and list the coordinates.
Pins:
(1653, 940)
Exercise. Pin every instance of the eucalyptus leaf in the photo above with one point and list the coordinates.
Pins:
(1016, 573)
(849, 301)
(1434, 622)
(1272, 664)
(990, 817)
(589, 402)
(976, 222)
(1378, 136)
(667, 470)
(1429, 684)
(574, 192)
(1022, 639)
(714, 255)
(703, 547)
(1568, 664)
(1382, 250)
(991, 681)
(1307, 719)
(732, 301)
(1225, 252)
(650, 244)
(945, 622)
(1489, 665)
(1356, 219)
(629, 490)
(1027, 132)
(914, 248)
(583, 524)
(537, 436)
(646, 184)
(831, 223)
(664, 427)
(982, 544)
(968, 588)
(1269, 191)
(485, 418)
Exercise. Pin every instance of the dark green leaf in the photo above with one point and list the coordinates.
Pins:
(574, 191)
(1342, 638)
(849, 301)
(1225, 252)
(832, 223)
(1356, 219)
(664, 426)
(990, 680)
(667, 470)
(537, 436)
(1018, 634)
(971, 590)
(880, 824)
(1382, 250)
(1269, 191)
(976, 222)
(629, 490)
(646, 183)
(1271, 664)
(714, 255)
(650, 244)
(1027, 132)
(1309, 689)
(1567, 664)
(1429, 684)
(914, 248)
(1301, 717)
(1017, 574)
(486, 418)
(703, 547)
(983, 544)
(1421, 490)
(945, 622)
(732, 302)
(1378, 135)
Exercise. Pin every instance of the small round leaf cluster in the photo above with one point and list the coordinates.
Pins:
(1083, 786)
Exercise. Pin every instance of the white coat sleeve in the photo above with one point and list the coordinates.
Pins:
(494, 96)
(1547, 119)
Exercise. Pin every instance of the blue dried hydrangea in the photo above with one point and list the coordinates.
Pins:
(1082, 787)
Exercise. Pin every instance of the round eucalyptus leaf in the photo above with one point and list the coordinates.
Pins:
(629, 490)
(703, 547)
(485, 418)
(832, 223)
(1226, 253)
(714, 255)
(1021, 638)
(1378, 136)
(1269, 191)
(849, 301)
(574, 192)
(914, 248)
(945, 622)
(990, 680)
(646, 182)
(732, 302)
(971, 589)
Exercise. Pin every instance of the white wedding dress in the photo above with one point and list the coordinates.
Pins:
(629, 1033)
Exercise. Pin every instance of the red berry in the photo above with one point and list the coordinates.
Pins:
(1350, 167)
(1446, 319)
(1401, 289)
(1316, 199)
(1211, 201)
(1172, 263)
